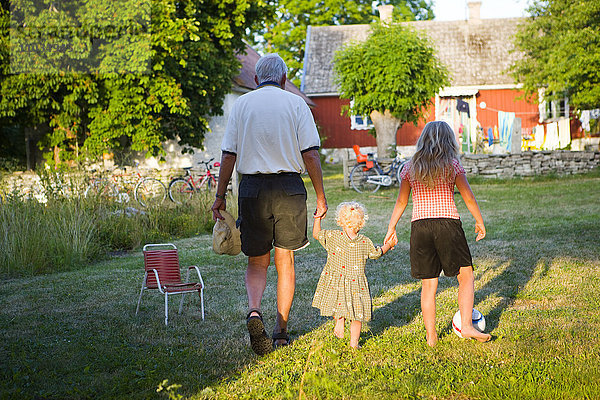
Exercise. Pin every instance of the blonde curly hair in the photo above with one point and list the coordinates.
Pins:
(351, 214)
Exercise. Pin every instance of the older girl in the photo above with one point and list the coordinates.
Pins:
(437, 240)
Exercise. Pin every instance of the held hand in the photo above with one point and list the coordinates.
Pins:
(218, 205)
(480, 231)
(391, 238)
(321, 210)
(393, 241)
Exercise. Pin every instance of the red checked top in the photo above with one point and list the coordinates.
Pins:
(437, 202)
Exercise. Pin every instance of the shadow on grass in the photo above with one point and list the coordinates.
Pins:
(95, 340)
(521, 261)
(506, 286)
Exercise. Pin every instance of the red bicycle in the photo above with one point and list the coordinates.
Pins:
(181, 189)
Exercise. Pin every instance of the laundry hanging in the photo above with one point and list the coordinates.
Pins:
(564, 132)
(462, 106)
(505, 124)
(538, 134)
(551, 142)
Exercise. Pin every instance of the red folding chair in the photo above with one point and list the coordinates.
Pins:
(161, 264)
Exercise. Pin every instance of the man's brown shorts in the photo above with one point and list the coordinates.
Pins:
(272, 212)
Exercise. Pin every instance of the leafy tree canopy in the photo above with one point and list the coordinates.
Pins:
(99, 75)
(561, 51)
(286, 33)
(394, 73)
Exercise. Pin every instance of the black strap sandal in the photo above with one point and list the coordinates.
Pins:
(282, 335)
(259, 341)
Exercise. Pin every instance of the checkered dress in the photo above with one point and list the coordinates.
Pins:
(343, 290)
(437, 202)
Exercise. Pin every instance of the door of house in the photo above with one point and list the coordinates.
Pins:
(457, 112)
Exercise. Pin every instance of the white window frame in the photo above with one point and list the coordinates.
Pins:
(552, 110)
(360, 122)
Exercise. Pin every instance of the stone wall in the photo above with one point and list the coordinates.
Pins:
(485, 165)
(530, 163)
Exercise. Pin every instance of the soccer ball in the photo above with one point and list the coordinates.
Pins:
(478, 322)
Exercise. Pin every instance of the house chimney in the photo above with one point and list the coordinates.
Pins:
(385, 13)
(474, 12)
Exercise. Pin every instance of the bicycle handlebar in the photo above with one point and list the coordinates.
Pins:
(206, 164)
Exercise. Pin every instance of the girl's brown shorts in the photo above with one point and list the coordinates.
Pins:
(436, 245)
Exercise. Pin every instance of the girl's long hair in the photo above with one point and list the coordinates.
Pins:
(436, 149)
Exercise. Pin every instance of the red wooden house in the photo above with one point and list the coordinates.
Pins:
(478, 54)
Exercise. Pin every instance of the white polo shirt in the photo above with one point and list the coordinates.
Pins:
(268, 129)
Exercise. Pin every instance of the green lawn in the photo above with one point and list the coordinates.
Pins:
(75, 335)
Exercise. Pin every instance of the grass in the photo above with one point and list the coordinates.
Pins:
(74, 334)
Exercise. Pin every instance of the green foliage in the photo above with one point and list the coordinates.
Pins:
(395, 69)
(286, 32)
(560, 42)
(161, 68)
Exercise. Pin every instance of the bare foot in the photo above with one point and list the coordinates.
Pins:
(338, 330)
(432, 340)
(472, 333)
(355, 346)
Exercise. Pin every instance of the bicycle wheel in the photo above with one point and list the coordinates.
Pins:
(180, 191)
(400, 166)
(359, 177)
(101, 189)
(150, 192)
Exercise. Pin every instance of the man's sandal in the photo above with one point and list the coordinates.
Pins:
(259, 341)
(282, 335)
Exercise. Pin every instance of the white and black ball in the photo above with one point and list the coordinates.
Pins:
(478, 322)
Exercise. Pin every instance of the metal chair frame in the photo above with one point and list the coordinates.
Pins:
(171, 273)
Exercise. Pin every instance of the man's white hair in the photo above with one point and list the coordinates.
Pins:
(270, 67)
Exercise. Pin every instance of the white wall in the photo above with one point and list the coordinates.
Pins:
(212, 143)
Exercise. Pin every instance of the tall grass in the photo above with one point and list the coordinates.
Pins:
(68, 233)
(39, 239)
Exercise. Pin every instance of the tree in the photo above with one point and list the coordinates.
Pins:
(100, 75)
(560, 42)
(286, 33)
(392, 77)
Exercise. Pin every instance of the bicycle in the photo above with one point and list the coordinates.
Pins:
(181, 189)
(369, 176)
(147, 191)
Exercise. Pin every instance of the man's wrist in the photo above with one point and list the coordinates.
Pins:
(221, 196)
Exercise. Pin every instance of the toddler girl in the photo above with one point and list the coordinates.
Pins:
(437, 240)
(343, 291)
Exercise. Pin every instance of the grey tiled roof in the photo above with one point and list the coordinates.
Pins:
(475, 53)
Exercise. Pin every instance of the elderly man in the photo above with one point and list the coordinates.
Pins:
(271, 138)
